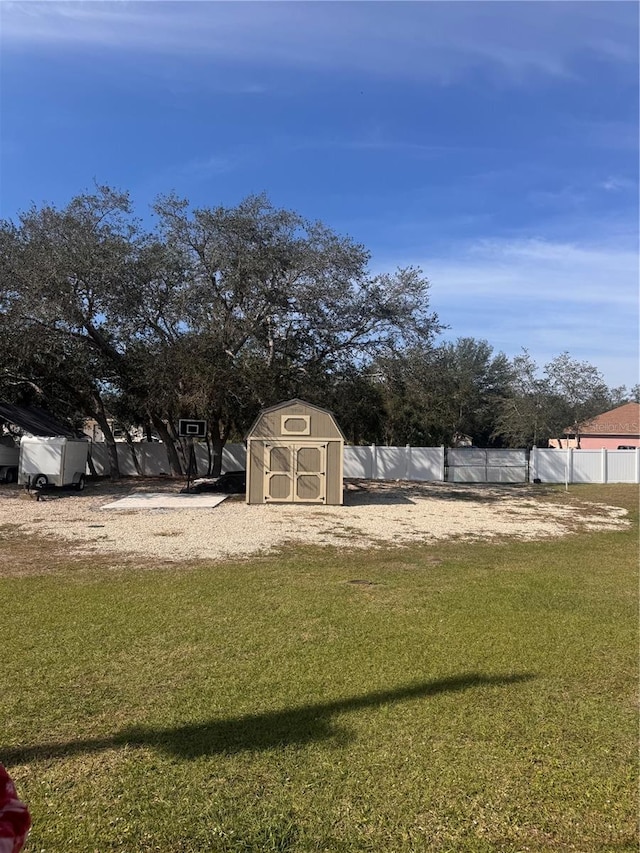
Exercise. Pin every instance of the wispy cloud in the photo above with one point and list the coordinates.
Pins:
(207, 167)
(565, 198)
(578, 197)
(617, 184)
(546, 296)
(613, 135)
(437, 40)
(378, 139)
(541, 271)
(198, 170)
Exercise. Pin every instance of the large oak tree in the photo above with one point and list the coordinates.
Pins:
(216, 313)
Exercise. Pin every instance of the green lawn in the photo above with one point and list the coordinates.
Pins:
(457, 697)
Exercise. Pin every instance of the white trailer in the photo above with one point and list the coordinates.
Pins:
(9, 458)
(52, 461)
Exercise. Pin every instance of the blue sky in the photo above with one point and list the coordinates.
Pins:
(493, 144)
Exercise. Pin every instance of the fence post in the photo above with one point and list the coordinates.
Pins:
(374, 462)
(443, 471)
(407, 461)
(637, 464)
(603, 465)
(568, 468)
(533, 464)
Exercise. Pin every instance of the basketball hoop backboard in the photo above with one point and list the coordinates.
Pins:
(192, 429)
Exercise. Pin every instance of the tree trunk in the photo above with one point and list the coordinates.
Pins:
(90, 462)
(172, 453)
(129, 440)
(180, 444)
(217, 444)
(209, 456)
(112, 449)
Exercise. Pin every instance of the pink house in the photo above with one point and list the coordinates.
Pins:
(619, 428)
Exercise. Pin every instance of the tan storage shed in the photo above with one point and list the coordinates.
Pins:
(295, 455)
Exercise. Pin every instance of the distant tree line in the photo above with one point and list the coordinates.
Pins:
(219, 312)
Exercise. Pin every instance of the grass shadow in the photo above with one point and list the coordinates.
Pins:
(398, 495)
(379, 493)
(257, 732)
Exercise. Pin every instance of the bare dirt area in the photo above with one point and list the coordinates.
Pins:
(374, 515)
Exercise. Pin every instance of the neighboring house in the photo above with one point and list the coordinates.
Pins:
(92, 430)
(563, 443)
(614, 430)
(461, 439)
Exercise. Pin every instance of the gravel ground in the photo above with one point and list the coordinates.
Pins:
(374, 514)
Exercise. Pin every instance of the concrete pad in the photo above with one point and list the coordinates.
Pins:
(160, 500)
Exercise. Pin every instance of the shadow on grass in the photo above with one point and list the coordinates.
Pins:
(380, 493)
(256, 732)
(400, 495)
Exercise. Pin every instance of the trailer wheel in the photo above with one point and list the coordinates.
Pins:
(40, 481)
(81, 483)
(11, 476)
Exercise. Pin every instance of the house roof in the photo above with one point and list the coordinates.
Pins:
(34, 421)
(624, 420)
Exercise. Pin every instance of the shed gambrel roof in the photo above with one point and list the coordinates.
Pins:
(624, 420)
(293, 402)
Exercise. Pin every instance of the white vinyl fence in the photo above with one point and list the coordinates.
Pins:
(426, 464)
(154, 462)
(486, 465)
(584, 466)
(394, 463)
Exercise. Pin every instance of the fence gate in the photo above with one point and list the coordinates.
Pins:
(486, 465)
(295, 472)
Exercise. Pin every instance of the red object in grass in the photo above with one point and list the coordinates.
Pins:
(15, 819)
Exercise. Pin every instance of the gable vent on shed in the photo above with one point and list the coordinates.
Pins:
(295, 424)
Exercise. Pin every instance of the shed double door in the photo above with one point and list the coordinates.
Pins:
(295, 472)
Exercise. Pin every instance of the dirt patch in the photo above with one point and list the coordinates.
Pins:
(374, 515)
